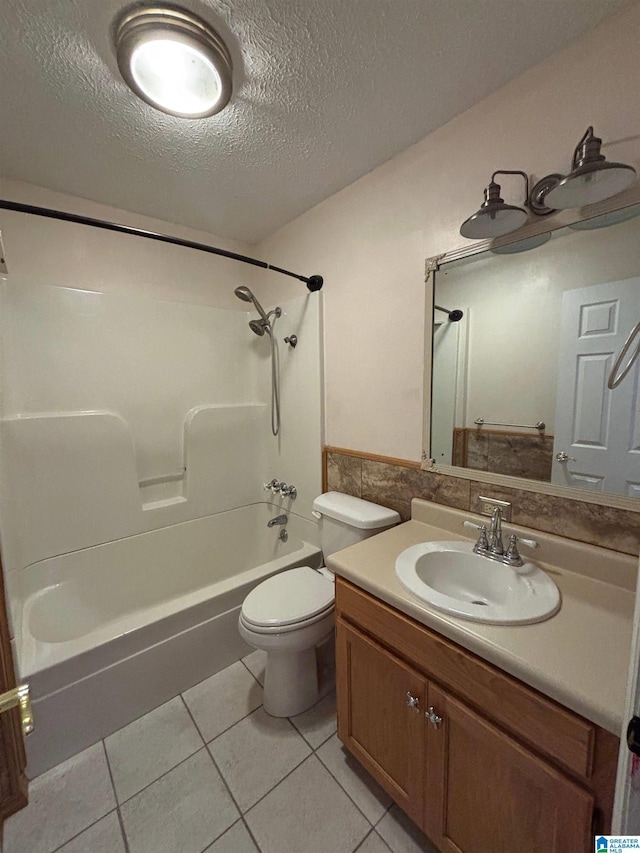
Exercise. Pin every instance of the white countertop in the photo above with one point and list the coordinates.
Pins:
(579, 657)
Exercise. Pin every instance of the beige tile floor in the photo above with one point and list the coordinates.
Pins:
(211, 771)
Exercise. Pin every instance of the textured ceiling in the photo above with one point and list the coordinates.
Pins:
(324, 91)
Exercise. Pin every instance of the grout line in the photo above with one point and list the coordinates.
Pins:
(115, 794)
(218, 837)
(224, 782)
(251, 673)
(123, 831)
(207, 742)
(78, 834)
(280, 781)
(386, 811)
(342, 788)
(368, 835)
(161, 776)
(191, 717)
(251, 835)
(322, 743)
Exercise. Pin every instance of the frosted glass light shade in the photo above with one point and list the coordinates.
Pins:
(174, 61)
(176, 77)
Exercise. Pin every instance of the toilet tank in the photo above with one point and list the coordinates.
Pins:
(345, 520)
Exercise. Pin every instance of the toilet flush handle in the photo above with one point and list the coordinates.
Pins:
(316, 514)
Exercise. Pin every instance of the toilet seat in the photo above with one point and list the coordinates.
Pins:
(288, 601)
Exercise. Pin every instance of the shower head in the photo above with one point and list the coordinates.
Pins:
(259, 327)
(247, 296)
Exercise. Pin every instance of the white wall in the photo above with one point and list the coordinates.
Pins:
(46, 251)
(370, 240)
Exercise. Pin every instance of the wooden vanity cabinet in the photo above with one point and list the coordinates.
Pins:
(481, 762)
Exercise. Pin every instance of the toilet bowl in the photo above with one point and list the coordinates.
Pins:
(287, 616)
(290, 614)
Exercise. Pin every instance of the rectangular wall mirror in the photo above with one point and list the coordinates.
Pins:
(524, 336)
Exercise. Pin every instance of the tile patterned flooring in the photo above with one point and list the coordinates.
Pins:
(211, 771)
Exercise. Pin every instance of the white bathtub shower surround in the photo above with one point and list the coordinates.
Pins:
(112, 631)
(134, 444)
(74, 484)
(114, 403)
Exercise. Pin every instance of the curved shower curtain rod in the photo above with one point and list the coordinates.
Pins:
(313, 282)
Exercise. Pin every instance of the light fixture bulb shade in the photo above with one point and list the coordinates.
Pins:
(174, 61)
(492, 221)
(590, 184)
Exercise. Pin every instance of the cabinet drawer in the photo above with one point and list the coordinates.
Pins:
(530, 716)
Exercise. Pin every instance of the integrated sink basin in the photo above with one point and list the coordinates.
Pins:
(450, 577)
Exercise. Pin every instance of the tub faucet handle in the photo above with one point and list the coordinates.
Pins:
(289, 492)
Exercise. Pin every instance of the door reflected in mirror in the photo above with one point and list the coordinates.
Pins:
(524, 340)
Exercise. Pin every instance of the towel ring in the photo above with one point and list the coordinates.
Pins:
(614, 380)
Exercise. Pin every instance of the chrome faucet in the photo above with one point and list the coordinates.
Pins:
(492, 546)
(279, 519)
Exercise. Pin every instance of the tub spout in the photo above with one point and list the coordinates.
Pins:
(279, 519)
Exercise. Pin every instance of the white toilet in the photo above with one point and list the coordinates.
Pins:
(291, 613)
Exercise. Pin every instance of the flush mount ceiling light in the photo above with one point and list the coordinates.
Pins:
(174, 61)
(592, 179)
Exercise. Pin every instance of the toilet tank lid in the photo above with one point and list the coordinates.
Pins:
(355, 511)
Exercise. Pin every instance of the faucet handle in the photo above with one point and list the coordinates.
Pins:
(482, 544)
(530, 543)
(289, 492)
(512, 554)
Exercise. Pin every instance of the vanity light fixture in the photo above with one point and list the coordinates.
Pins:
(592, 179)
(174, 61)
(495, 217)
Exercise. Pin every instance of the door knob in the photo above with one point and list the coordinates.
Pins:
(564, 457)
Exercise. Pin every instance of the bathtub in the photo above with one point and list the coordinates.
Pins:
(108, 633)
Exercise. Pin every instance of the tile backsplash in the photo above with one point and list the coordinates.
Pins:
(394, 483)
(515, 454)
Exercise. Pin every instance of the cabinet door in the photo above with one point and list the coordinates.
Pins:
(375, 721)
(488, 794)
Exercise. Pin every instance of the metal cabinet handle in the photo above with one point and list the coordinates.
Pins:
(413, 702)
(564, 457)
(433, 718)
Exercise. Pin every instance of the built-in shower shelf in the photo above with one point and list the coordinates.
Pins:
(163, 490)
(163, 503)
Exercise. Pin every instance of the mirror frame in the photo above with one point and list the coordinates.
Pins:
(561, 219)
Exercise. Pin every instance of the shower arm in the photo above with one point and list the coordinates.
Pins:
(313, 282)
